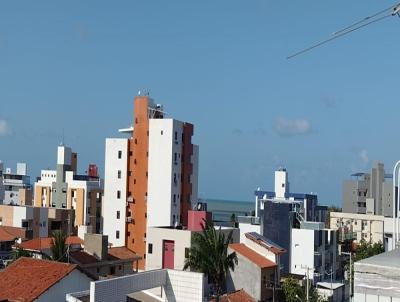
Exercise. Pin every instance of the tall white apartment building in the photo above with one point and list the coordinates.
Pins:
(150, 177)
(115, 187)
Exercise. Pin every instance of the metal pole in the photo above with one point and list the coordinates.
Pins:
(351, 279)
(394, 206)
(307, 299)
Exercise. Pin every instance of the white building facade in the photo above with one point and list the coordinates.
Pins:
(116, 169)
(13, 183)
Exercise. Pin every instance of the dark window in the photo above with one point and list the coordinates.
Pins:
(119, 267)
(118, 194)
(119, 173)
(112, 270)
(119, 154)
(134, 181)
(98, 270)
(145, 215)
(130, 173)
(130, 153)
(136, 120)
(117, 234)
(150, 248)
(134, 161)
(118, 215)
(135, 141)
(162, 132)
(176, 135)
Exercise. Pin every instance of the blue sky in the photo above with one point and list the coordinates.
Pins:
(76, 65)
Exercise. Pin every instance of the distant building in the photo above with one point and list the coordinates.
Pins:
(17, 187)
(64, 188)
(38, 222)
(100, 261)
(150, 177)
(237, 296)
(31, 280)
(357, 227)
(281, 211)
(1, 182)
(369, 193)
(315, 249)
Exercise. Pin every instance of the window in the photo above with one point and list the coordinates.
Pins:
(119, 174)
(98, 270)
(176, 158)
(136, 120)
(162, 132)
(135, 141)
(144, 235)
(130, 173)
(174, 198)
(134, 181)
(283, 185)
(117, 234)
(186, 252)
(145, 215)
(118, 194)
(130, 153)
(133, 240)
(134, 161)
(119, 154)
(118, 215)
(112, 270)
(176, 136)
(150, 248)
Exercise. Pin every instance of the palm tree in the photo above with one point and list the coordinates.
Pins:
(209, 255)
(59, 246)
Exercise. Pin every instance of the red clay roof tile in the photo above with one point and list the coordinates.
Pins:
(27, 278)
(253, 256)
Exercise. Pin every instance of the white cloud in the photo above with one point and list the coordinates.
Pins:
(287, 127)
(364, 156)
(4, 128)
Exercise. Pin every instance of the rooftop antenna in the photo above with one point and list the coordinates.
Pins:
(62, 138)
(379, 16)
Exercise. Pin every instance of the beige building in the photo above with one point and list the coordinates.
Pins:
(64, 188)
(38, 222)
(358, 226)
(168, 247)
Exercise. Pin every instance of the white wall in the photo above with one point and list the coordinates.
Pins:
(177, 286)
(112, 184)
(247, 228)
(21, 213)
(281, 184)
(161, 209)
(302, 251)
(73, 282)
(156, 236)
(64, 155)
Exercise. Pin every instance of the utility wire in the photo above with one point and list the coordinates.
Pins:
(363, 20)
(337, 36)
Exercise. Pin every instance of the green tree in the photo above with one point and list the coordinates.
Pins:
(328, 216)
(294, 291)
(59, 246)
(20, 252)
(209, 255)
(364, 250)
(233, 220)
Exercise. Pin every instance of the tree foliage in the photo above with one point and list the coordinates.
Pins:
(296, 292)
(209, 255)
(59, 246)
(20, 252)
(367, 249)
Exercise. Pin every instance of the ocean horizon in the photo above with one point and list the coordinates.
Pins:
(222, 209)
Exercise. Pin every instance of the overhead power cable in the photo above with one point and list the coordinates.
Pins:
(392, 11)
